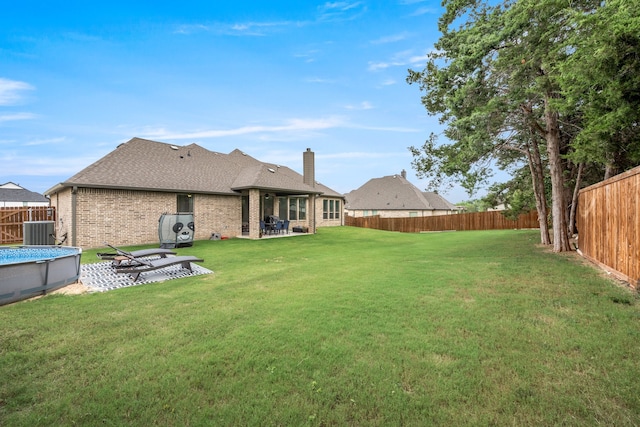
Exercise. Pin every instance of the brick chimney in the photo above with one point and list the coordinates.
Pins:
(309, 168)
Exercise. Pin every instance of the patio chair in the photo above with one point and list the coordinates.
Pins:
(157, 264)
(279, 226)
(124, 258)
(285, 226)
(263, 227)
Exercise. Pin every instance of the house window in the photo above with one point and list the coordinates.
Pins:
(293, 209)
(330, 209)
(297, 208)
(185, 203)
(282, 208)
(302, 208)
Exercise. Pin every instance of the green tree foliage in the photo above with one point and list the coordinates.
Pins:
(601, 84)
(549, 83)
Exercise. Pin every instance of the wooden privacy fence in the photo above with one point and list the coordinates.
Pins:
(12, 220)
(608, 225)
(493, 220)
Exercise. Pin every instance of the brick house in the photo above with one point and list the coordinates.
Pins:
(119, 198)
(395, 197)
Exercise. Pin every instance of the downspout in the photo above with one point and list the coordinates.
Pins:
(74, 209)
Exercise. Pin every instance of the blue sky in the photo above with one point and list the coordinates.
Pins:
(270, 78)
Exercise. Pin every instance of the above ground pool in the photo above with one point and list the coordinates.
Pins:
(27, 271)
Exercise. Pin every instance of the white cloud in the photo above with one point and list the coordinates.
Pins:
(391, 39)
(46, 141)
(292, 125)
(341, 10)
(385, 128)
(340, 5)
(17, 116)
(192, 28)
(424, 11)
(400, 59)
(360, 155)
(10, 91)
(364, 105)
(259, 28)
(43, 166)
(318, 80)
(238, 29)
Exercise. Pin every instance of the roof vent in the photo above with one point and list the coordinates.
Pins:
(271, 170)
(173, 147)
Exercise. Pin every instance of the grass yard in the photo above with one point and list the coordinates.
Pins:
(346, 327)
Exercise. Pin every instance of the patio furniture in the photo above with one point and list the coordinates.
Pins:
(124, 258)
(157, 264)
(263, 227)
(279, 227)
(285, 226)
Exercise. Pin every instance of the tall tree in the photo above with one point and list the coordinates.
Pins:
(600, 81)
(493, 80)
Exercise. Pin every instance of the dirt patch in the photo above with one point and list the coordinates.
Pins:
(76, 288)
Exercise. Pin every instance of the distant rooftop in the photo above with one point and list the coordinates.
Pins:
(394, 192)
(11, 192)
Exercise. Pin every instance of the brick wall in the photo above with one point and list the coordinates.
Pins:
(321, 221)
(217, 214)
(120, 217)
(62, 203)
(124, 217)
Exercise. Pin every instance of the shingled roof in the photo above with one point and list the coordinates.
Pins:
(142, 164)
(394, 192)
(10, 192)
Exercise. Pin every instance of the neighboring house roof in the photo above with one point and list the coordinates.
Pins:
(394, 192)
(11, 192)
(142, 164)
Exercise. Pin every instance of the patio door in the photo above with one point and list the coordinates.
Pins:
(245, 214)
(267, 205)
(283, 208)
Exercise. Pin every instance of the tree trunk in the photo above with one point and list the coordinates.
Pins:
(558, 210)
(574, 200)
(537, 179)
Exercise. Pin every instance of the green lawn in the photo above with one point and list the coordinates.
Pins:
(346, 327)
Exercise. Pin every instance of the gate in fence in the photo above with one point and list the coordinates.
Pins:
(12, 221)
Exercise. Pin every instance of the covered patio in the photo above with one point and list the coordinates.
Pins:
(274, 213)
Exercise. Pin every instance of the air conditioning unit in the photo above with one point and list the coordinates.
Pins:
(39, 233)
